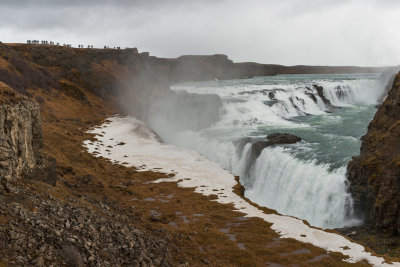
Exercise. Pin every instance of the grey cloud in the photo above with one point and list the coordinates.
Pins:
(77, 3)
(334, 32)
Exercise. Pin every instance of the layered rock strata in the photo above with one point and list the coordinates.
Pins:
(21, 140)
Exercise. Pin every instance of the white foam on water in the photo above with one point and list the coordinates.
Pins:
(352, 92)
(266, 103)
(280, 181)
(277, 179)
(143, 148)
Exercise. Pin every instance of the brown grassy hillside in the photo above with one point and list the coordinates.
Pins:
(172, 226)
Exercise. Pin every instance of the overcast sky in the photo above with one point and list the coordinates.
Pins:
(290, 32)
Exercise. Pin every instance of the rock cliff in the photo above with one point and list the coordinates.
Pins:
(21, 140)
(375, 175)
(105, 214)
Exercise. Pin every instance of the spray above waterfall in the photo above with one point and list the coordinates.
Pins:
(307, 179)
(224, 120)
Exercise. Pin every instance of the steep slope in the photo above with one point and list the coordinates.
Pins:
(375, 175)
(130, 81)
(104, 214)
(136, 82)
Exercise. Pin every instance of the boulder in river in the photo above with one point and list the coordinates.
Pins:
(283, 138)
(273, 139)
(258, 145)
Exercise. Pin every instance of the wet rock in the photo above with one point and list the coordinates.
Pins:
(320, 91)
(295, 101)
(283, 138)
(272, 139)
(312, 96)
(258, 145)
(374, 174)
(271, 95)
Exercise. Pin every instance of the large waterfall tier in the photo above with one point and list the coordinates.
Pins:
(142, 148)
(307, 179)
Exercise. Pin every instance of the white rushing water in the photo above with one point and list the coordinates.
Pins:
(321, 193)
(143, 149)
(306, 180)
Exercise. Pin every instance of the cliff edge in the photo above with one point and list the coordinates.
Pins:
(375, 175)
(105, 214)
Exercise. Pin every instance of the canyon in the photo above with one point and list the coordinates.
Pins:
(67, 91)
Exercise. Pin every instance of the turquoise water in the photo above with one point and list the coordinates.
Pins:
(331, 138)
(307, 179)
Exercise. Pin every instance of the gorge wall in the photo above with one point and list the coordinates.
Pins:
(21, 140)
(78, 88)
(375, 175)
(138, 84)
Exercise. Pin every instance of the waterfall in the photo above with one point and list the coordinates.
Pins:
(302, 189)
(278, 178)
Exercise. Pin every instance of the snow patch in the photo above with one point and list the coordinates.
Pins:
(128, 140)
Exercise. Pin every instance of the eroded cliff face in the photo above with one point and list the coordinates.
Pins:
(375, 175)
(21, 140)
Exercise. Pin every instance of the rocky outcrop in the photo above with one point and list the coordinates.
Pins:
(21, 140)
(320, 92)
(258, 145)
(273, 139)
(374, 176)
(283, 138)
(69, 234)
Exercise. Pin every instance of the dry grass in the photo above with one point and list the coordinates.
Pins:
(8, 95)
(195, 223)
(200, 230)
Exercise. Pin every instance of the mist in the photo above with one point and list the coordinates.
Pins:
(146, 94)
